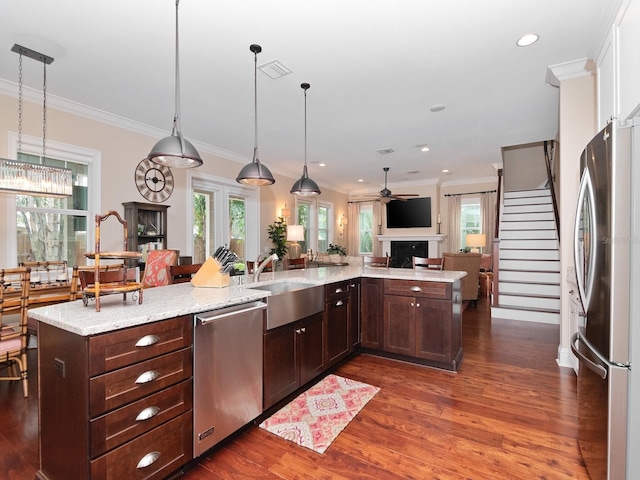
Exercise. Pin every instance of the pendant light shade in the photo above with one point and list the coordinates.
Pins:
(255, 173)
(305, 186)
(175, 150)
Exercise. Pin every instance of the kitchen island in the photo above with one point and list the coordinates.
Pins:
(116, 386)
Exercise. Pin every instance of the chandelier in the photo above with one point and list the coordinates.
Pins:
(31, 178)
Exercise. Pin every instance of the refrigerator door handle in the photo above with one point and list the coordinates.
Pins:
(586, 190)
(594, 367)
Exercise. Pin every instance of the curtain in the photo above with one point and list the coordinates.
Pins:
(377, 228)
(488, 216)
(353, 215)
(453, 241)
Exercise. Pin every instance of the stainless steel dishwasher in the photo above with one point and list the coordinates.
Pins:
(227, 372)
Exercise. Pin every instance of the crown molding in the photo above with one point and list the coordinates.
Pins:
(568, 70)
(69, 106)
(469, 181)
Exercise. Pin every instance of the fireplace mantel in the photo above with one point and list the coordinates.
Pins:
(435, 242)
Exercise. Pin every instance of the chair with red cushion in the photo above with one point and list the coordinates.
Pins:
(156, 269)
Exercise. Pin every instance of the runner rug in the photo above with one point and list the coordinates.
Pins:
(316, 417)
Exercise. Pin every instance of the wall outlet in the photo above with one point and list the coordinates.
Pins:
(59, 366)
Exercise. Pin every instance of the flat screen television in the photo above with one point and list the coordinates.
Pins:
(415, 212)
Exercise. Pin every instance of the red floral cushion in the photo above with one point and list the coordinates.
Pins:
(156, 270)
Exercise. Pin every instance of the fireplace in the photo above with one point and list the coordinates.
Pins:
(403, 251)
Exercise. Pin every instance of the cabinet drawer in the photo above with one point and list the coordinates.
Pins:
(114, 389)
(131, 345)
(153, 455)
(412, 288)
(336, 291)
(121, 425)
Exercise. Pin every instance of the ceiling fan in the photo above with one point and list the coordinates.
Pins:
(385, 195)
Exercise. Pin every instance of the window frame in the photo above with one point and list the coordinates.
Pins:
(369, 208)
(62, 152)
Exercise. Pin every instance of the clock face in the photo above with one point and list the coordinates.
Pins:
(154, 182)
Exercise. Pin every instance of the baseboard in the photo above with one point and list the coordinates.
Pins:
(566, 358)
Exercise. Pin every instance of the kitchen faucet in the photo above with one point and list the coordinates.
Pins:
(259, 268)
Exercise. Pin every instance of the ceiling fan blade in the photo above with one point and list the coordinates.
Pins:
(405, 195)
(396, 197)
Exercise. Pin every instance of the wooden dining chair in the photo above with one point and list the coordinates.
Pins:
(295, 263)
(156, 272)
(378, 262)
(183, 273)
(424, 263)
(251, 265)
(14, 304)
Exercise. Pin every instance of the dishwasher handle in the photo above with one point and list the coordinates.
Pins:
(208, 317)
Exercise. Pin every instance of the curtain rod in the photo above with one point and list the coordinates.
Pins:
(468, 193)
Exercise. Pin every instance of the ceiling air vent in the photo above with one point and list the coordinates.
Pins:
(384, 151)
(274, 69)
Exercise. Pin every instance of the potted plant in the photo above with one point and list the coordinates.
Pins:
(278, 235)
(336, 252)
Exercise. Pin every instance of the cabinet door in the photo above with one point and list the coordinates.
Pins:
(309, 333)
(433, 330)
(280, 364)
(399, 325)
(371, 312)
(337, 330)
(354, 314)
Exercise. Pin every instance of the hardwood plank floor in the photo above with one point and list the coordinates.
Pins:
(510, 413)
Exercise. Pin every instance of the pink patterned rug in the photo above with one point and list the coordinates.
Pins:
(316, 417)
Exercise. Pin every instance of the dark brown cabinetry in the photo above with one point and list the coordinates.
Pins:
(116, 405)
(371, 312)
(293, 355)
(354, 314)
(336, 322)
(147, 226)
(423, 320)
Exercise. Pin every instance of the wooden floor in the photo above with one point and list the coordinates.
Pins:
(510, 413)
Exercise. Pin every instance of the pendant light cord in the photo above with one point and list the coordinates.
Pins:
(19, 107)
(255, 103)
(176, 117)
(305, 127)
(44, 115)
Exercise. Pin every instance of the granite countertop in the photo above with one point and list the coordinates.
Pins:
(184, 299)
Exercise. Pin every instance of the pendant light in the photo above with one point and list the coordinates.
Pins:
(25, 178)
(175, 150)
(305, 187)
(255, 173)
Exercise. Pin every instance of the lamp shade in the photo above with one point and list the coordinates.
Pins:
(175, 151)
(295, 233)
(476, 240)
(305, 186)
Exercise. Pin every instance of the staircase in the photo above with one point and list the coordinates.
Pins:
(529, 266)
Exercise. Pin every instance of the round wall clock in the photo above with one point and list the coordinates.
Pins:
(154, 182)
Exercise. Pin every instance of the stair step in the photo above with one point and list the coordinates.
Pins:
(526, 315)
(531, 265)
(528, 244)
(538, 192)
(528, 254)
(528, 235)
(511, 209)
(527, 217)
(537, 302)
(518, 288)
(529, 276)
(535, 202)
(527, 226)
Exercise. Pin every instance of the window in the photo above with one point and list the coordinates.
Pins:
(323, 228)
(223, 213)
(53, 229)
(470, 219)
(304, 219)
(366, 229)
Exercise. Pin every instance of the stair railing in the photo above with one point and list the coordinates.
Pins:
(548, 160)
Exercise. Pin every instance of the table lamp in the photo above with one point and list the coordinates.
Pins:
(476, 241)
(295, 234)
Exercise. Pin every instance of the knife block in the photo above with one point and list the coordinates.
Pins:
(209, 275)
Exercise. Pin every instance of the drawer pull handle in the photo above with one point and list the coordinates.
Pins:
(417, 305)
(416, 289)
(338, 290)
(339, 303)
(147, 413)
(148, 376)
(303, 330)
(148, 459)
(147, 341)
(298, 331)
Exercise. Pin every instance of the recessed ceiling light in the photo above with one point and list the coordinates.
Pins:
(528, 39)
(361, 180)
(438, 108)
(425, 149)
(446, 171)
(322, 164)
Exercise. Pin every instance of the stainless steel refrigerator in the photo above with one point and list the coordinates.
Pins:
(602, 257)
